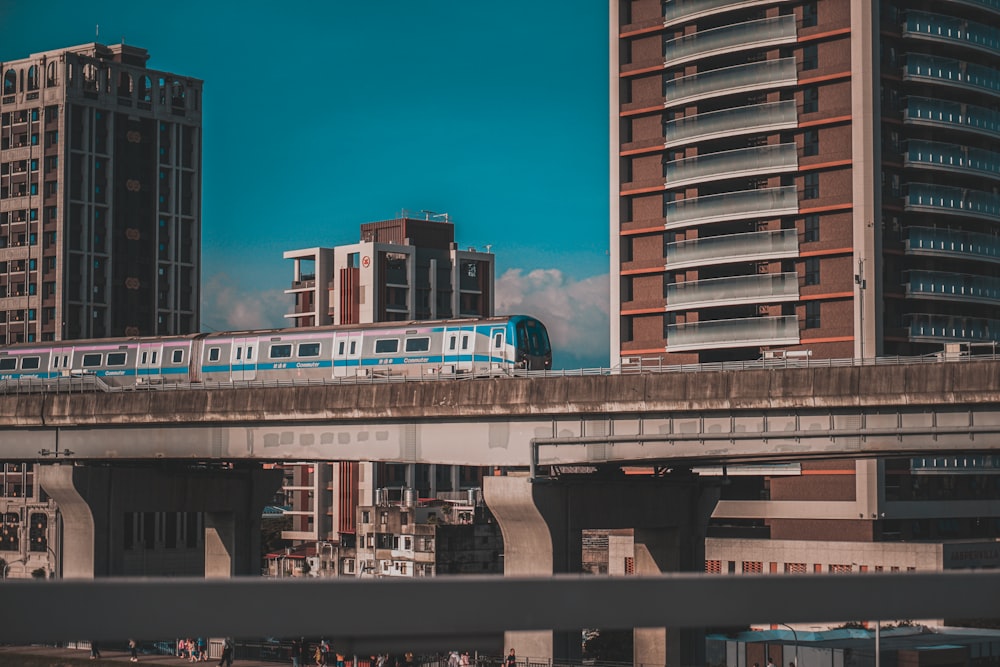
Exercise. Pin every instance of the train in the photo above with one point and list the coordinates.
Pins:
(454, 348)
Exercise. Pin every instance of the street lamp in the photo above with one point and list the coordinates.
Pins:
(795, 637)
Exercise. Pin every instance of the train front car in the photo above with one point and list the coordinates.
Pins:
(532, 351)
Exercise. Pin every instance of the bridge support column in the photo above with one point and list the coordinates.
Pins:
(542, 524)
(94, 500)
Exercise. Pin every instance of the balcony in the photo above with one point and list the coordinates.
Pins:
(952, 201)
(988, 5)
(730, 80)
(924, 327)
(719, 334)
(758, 118)
(952, 30)
(952, 243)
(736, 290)
(941, 113)
(741, 205)
(952, 286)
(929, 69)
(677, 11)
(739, 163)
(736, 37)
(753, 246)
(951, 157)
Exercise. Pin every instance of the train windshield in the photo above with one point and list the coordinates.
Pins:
(532, 338)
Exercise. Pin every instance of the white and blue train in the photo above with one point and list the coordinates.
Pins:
(459, 348)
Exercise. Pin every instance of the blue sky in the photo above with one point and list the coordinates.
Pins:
(321, 116)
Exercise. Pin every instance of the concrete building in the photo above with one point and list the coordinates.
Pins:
(818, 178)
(100, 223)
(403, 269)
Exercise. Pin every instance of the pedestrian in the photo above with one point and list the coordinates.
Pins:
(465, 662)
(512, 659)
(133, 655)
(227, 653)
(770, 663)
(296, 653)
(202, 649)
(181, 645)
(95, 652)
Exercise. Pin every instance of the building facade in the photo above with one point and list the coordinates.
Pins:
(100, 224)
(814, 177)
(403, 269)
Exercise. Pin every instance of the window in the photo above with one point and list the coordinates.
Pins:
(812, 314)
(386, 346)
(29, 363)
(810, 57)
(178, 356)
(810, 142)
(811, 229)
(465, 342)
(8, 363)
(214, 353)
(497, 340)
(812, 271)
(340, 349)
(418, 344)
(90, 360)
(309, 350)
(116, 359)
(281, 351)
(811, 189)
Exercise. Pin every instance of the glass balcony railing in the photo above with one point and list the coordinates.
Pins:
(976, 161)
(718, 334)
(727, 80)
(675, 11)
(953, 30)
(952, 286)
(923, 110)
(741, 205)
(765, 287)
(735, 37)
(925, 326)
(920, 67)
(730, 122)
(738, 163)
(752, 246)
(953, 243)
(989, 5)
(954, 201)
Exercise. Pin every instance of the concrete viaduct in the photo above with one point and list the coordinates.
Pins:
(524, 425)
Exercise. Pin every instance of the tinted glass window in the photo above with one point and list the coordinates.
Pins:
(386, 346)
(29, 362)
(8, 363)
(309, 350)
(281, 351)
(418, 344)
(178, 356)
(91, 360)
(214, 353)
(116, 359)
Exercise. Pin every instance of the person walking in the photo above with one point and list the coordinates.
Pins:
(227, 653)
(132, 651)
(511, 659)
(95, 651)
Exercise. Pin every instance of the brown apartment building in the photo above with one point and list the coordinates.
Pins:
(818, 176)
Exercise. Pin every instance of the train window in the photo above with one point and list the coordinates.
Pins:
(116, 359)
(178, 356)
(249, 352)
(465, 342)
(152, 359)
(29, 362)
(8, 363)
(452, 342)
(340, 349)
(214, 353)
(386, 346)
(418, 344)
(91, 360)
(498, 340)
(309, 350)
(354, 345)
(281, 351)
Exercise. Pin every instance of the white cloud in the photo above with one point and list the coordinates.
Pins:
(574, 311)
(228, 306)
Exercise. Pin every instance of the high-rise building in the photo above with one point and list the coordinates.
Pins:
(818, 177)
(404, 269)
(100, 196)
(100, 230)
(814, 175)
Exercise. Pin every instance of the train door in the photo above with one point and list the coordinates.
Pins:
(149, 357)
(353, 355)
(450, 350)
(60, 363)
(498, 348)
(242, 360)
(340, 341)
